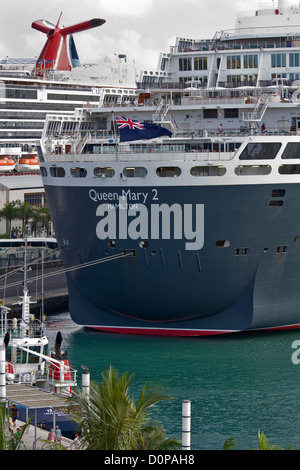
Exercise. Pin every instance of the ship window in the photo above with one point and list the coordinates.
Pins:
(297, 239)
(57, 172)
(78, 172)
(208, 171)
(231, 113)
(278, 60)
(258, 170)
(210, 113)
(168, 171)
(43, 171)
(200, 63)
(185, 64)
(260, 151)
(289, 169)
(292, 150)
(223, 243)
(135, 172)
(104, 172)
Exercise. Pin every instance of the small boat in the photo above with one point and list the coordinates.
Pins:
(28, 164)
(6, 164)
(28, 363)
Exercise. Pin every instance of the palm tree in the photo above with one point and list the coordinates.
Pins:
(263, 443)
(44, 217)
(6, 441)
(25, 211)
(10, 212)
(110, 418)
(229, 444)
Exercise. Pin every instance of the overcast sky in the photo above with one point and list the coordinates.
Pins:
(141, 29)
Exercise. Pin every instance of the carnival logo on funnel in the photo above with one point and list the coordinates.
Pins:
(126, 220)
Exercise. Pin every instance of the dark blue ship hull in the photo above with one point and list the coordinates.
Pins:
(245, 276)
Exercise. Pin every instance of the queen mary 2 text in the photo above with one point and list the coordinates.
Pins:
(124, 221)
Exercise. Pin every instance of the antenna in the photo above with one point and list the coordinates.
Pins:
(59, 52)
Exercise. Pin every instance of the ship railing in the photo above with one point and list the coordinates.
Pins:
(52, 379)
(15, 328)
(150, 155)
(52, 140)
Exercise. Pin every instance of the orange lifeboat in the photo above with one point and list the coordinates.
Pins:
(6, 164)
(28, 164)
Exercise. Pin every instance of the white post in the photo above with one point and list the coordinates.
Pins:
(86, 383)
(186, 425)
(62, 371)
(2, 374)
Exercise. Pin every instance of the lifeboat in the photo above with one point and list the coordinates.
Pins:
(28, 164)
(6, 164)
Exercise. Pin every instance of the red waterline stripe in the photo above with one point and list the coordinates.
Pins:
(161, 332)
(277, 328)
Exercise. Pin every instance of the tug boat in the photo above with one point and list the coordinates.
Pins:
(28, 363)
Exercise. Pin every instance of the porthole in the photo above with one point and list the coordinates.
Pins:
(112, 244)
(278, 193)
(144, 244)
(223, 243)
(104, 172)
(276, 203)
(78, 172)
(168, 171)
(57, 172)
(289, 169)
(252, 170)
(208, 171)
(135, 172)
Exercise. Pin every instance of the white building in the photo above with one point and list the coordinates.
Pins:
(23, 187)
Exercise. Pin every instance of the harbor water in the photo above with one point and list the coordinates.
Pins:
(238, 384)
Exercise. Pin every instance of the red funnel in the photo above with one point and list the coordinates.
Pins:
(58, 52)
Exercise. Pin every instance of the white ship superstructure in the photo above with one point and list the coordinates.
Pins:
(30, 88)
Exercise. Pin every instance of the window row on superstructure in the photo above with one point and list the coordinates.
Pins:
(174, 172)
(257, 67)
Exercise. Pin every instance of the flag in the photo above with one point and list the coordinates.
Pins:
(137, 130)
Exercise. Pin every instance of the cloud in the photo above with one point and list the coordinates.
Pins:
(139, 29)
(131, 8)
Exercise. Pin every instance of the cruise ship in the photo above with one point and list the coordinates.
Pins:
(54, 82)
(178, 214)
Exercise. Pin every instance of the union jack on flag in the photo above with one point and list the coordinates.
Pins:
(122, 123)
(137, 130)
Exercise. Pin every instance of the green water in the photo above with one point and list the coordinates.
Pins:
(237, 384)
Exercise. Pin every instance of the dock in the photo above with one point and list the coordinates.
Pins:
(53, 297)
(33, 398)
(34, 439)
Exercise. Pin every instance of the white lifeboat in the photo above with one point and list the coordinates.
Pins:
(6, 164)
(28, 164)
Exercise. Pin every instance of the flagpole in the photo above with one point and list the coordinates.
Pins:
(114, 124)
